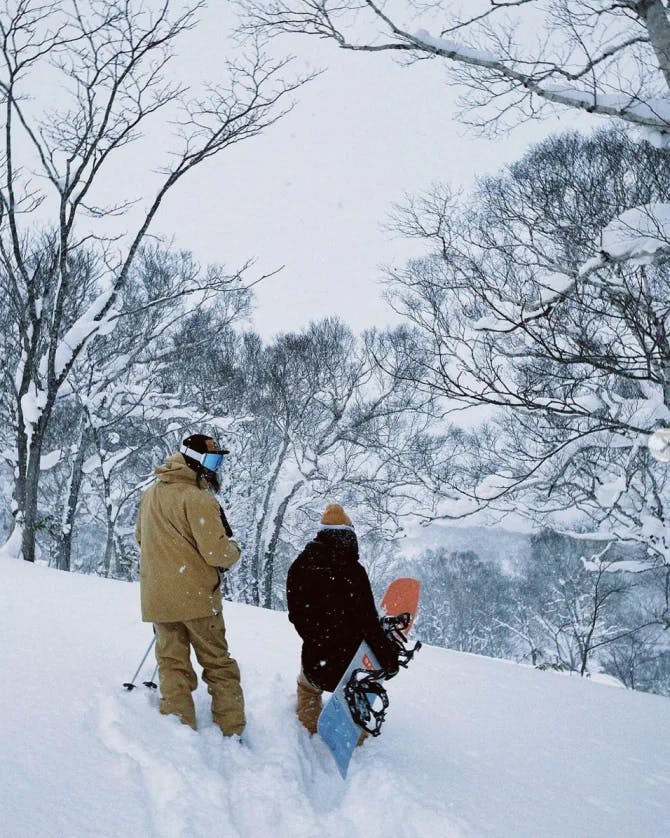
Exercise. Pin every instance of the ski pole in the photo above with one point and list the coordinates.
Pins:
(130, 685)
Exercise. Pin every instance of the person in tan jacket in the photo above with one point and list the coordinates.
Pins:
(185, 544)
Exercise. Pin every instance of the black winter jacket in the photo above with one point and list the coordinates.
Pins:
(331, 605)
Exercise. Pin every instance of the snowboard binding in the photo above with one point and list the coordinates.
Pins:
(395, 629)
(367, 699)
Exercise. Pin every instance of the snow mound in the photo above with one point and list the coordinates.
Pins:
(471, 746)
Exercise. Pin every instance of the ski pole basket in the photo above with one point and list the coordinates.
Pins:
(131, 685)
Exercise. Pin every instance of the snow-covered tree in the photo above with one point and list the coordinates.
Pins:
(570, 611)
(110, 63)
(312, 417)
(574, 369)
(465, 603)
(641, 658)
(121, 381)
(513, 57)
(513, 60)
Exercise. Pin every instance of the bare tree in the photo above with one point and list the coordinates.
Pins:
(610, 58)
(465, 603)
(120, 381)
(329, 423)
(513, 58)
(574, 373)
(309, 417)
(110, 59)
(573, 612)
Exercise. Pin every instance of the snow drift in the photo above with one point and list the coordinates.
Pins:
(471, 746)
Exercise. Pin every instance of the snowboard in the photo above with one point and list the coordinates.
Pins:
(336, 727)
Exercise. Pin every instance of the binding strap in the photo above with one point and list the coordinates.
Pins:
(364, 693)
(394, 628)
(367, 699)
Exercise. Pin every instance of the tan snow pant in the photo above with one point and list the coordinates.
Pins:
(309, 703)
(220, 672)
(309, 706)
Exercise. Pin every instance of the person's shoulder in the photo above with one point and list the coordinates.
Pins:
(192, 489)
(306, 554)
(358, 572)
(149, 491)
(301, 557)
(198, 496)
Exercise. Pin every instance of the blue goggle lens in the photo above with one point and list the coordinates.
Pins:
(212, 461)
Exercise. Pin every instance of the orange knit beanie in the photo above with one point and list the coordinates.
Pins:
(335, 516)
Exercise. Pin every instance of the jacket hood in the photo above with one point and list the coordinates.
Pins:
(332, 547)
(175, 470)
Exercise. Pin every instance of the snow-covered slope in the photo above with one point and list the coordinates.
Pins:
(471, 746)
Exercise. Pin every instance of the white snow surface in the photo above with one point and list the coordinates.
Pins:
(471, 746)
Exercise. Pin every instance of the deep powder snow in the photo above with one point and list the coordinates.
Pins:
(471, 746)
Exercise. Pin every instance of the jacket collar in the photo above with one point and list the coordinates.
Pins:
(175, 470)
(340, 527)
(341, 542)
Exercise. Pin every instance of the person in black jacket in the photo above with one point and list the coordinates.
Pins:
(331, 605)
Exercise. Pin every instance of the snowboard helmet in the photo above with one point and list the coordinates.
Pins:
(203, 454)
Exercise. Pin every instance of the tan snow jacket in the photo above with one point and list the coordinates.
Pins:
(182, 542)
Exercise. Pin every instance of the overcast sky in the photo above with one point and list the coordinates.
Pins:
(312, 193)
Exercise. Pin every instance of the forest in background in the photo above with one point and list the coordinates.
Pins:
(540, 307)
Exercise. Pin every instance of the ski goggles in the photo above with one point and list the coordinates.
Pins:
(209, 460)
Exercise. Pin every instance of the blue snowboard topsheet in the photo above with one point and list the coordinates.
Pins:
(336, 727)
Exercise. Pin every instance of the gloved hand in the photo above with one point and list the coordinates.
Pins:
(222, 570)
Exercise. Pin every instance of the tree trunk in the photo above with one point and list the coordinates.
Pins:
(655, 16)
(124, 566)
(66, 532)
(258, 556)
(267, 572)
(109, 541)
(30, 504)
(14, 545)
